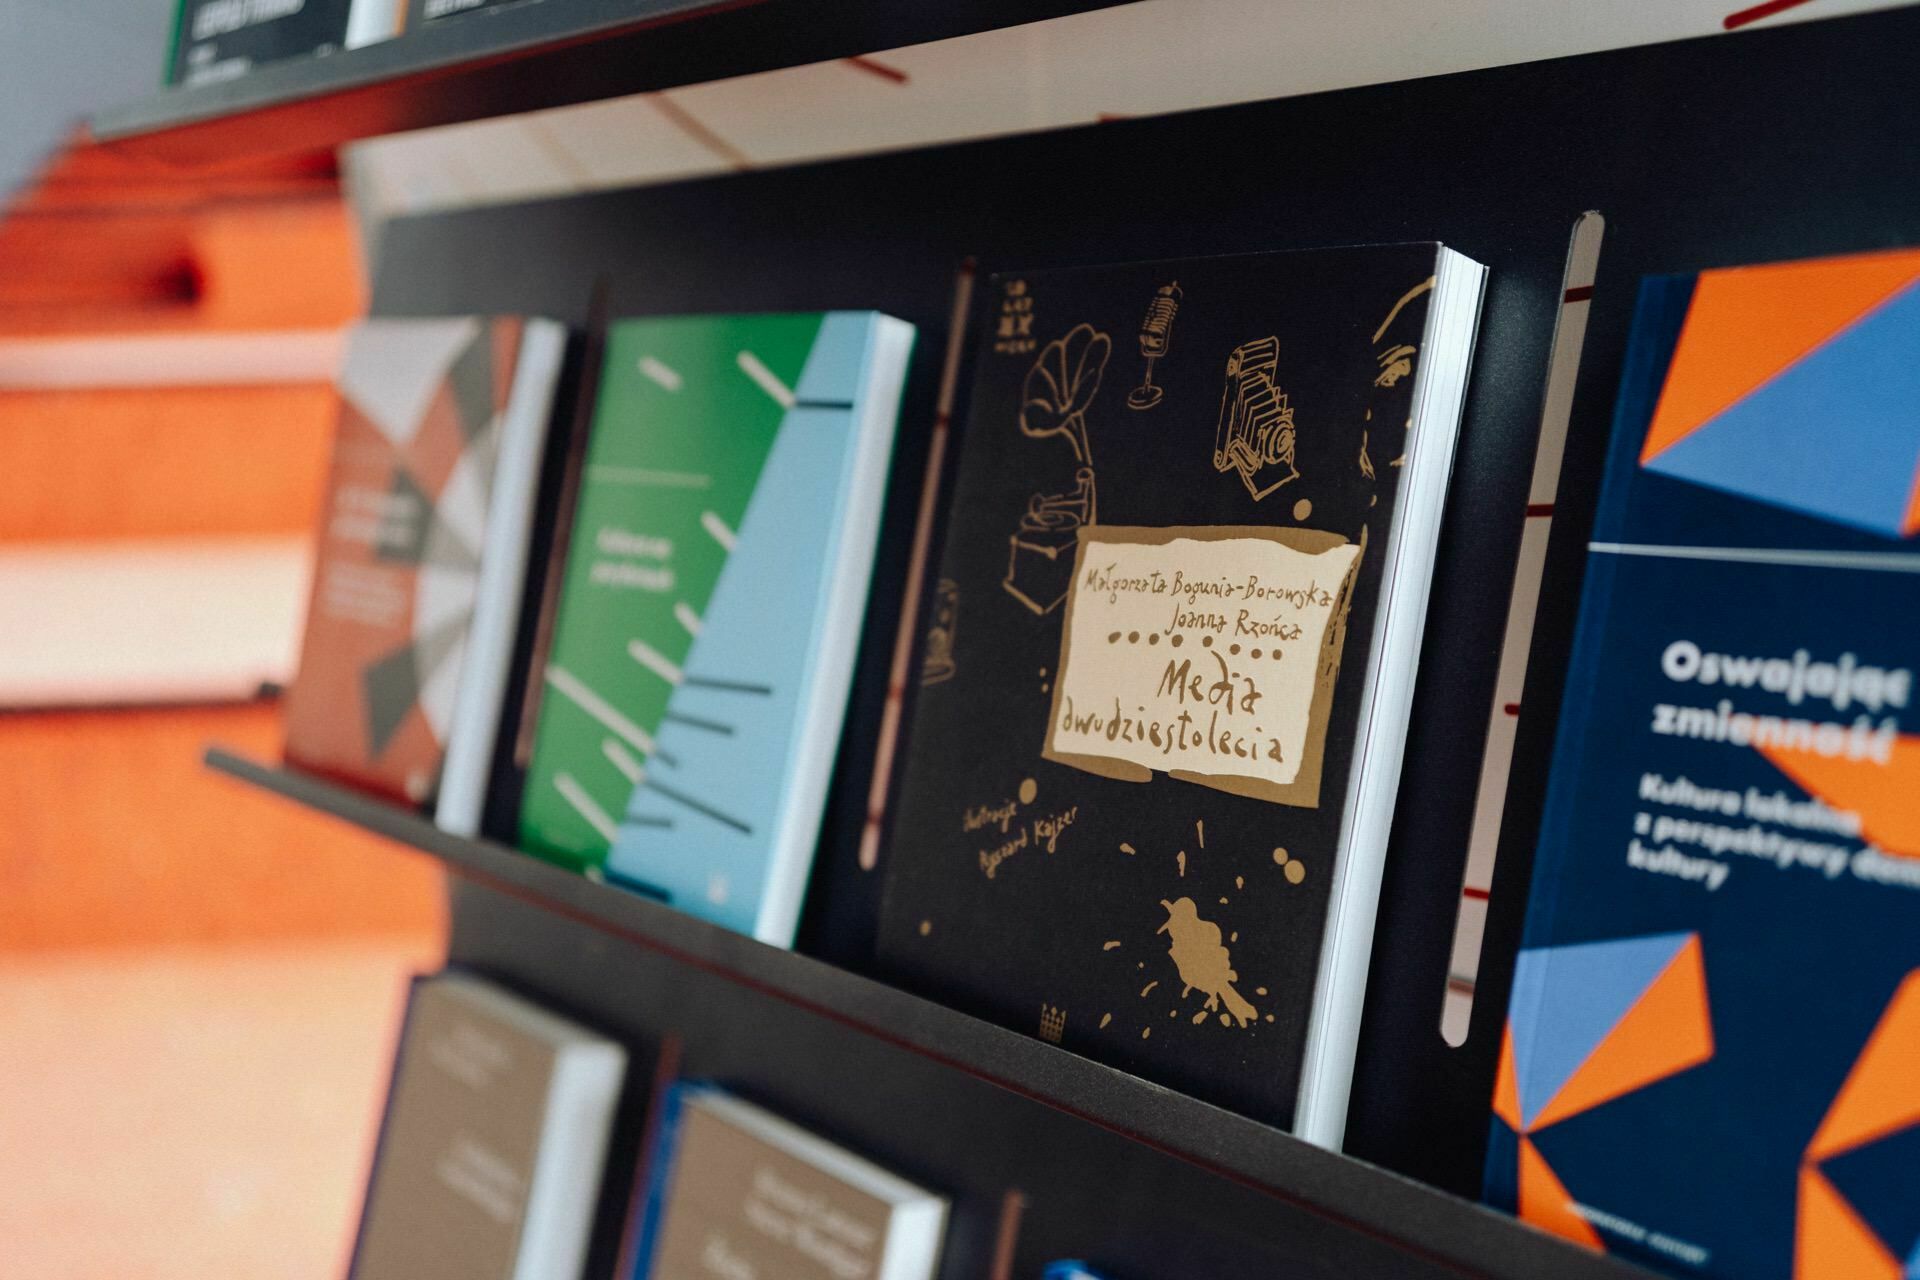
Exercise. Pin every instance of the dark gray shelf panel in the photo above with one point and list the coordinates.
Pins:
(529, 56)
(1428, 1231)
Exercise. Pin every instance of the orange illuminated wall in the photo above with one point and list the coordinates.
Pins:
(111, 833)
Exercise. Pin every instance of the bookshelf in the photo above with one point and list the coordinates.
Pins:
(1337, 1211)
(525, 57)
(1692, 151)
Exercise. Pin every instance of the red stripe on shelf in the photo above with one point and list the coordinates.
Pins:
(686, 122)
(880, 69)
(1108, 117)
(895, 692)
(1579, 293)
(1512, 708)
(1539, 508)
(1734, 21)
(1461, 985)
(1478, 895)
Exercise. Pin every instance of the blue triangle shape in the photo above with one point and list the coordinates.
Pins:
(1566, 1000)
(1832, 435)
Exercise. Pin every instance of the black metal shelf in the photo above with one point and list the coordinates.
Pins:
(526, 57)
(1431, 1231)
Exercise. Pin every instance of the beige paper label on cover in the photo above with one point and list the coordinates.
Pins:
(1208, 654)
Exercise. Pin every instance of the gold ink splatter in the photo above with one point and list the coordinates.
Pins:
(1259, 991)
(1296, 871)
(1225, 1021)
(1108, 946)
(1126, 848)
(1223, 902)
(1302, 509)
(1269, 1017)
(1105, 1018)
(1200, 831)
(1145, 1032)
(1181, 858)
(926, 927)
(1202, 961)
(1239, 882)
(1173, 1013)
(1028, 790)
(1199, 1017)
(1280, 857)
(1235, 936)
(1150, 986)
(1141, 965)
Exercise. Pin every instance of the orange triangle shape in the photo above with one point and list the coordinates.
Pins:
(1546, 1204)
(1882, 794)
(1832, 1242)
(1506, 1083)
(1746, 324)
(1881, 1093)
(1666, 1031)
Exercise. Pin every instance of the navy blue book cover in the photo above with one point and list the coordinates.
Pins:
(1712, 1054)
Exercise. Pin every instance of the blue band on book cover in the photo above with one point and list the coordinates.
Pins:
(1712, 1054)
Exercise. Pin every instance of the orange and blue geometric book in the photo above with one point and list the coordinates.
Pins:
(1711, 1062)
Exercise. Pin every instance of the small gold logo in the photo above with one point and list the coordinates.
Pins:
(1053, 1023)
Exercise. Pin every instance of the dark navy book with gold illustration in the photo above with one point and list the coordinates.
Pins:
(1170, 653)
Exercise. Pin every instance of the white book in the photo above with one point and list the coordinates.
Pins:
(735, 1190)
(502, 582)
(495, 1137)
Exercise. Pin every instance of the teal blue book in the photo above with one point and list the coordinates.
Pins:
(704, 642)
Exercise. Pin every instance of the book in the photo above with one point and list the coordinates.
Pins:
(1152, 765)
(737, 1191)
(216, 40)
(422, 13)
(495, 1135)
(422, 556)
(1709, 1060)
(695, 686)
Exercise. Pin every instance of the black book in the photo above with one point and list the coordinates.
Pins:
(1170, 656)
(220, 40)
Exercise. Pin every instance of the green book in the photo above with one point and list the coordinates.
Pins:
(693, 694)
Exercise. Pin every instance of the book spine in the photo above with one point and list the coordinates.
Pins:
(652, 1206)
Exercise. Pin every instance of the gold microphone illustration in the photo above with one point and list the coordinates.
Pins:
(1155, 332)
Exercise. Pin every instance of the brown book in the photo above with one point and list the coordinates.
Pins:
(740, 1194)
(496, 1131)
(422, 554)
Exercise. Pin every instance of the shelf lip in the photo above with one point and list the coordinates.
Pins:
(528, 56)
(1418, 1220)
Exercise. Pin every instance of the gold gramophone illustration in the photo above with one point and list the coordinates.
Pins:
(1255, 434)
(1156, 333)
(1054, 399)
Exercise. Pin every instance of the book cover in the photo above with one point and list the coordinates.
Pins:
(735, 1190)
(495, 1133)
(422, 13)
(1712, 1053)
(1131, 766)
(418, 573)
(723, 539)
(217, 40)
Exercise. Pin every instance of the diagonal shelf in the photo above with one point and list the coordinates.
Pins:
(1416, 1219)
(526, 57)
